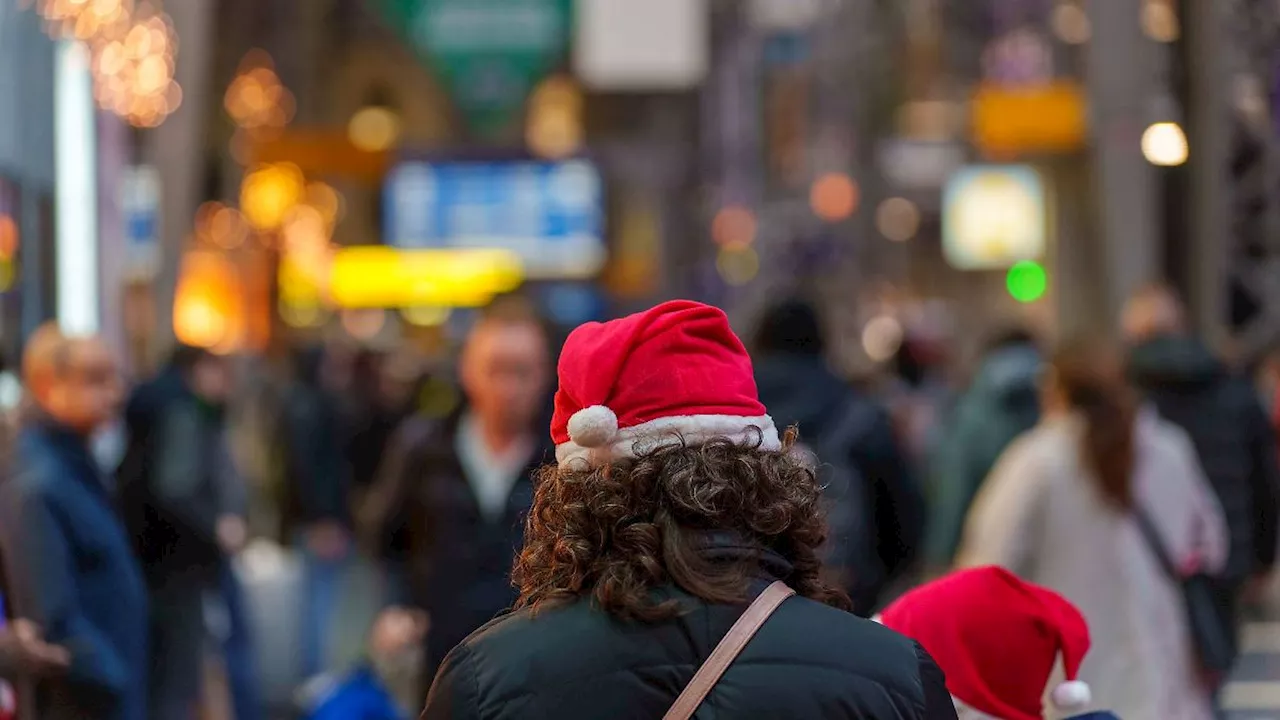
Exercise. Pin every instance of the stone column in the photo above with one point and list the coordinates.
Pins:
(177, 150)
(1120, 86)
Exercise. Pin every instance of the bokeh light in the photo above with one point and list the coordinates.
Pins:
(737, 266)
(898, 219)
(1027, 281)
(269, 192)
(374, 129)
(364, 324)
(328, 201)
(554, 128)
(1071, 23)
(206, 305)
(834, 197)
(1160, 21)
(302, 315)
(734, 227)
(426, 316)
(228, 228)
(133, 65)
(1165, 144)
(256, 99)
(881, 337)
(8, 237)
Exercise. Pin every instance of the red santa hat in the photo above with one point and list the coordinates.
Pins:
(996, 638)
(674, 373)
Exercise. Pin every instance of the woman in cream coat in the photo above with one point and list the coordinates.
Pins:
(1058, 510)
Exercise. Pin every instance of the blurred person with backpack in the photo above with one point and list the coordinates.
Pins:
(172, 491)
(874, 504)
(1221, 412)
(1001, 403)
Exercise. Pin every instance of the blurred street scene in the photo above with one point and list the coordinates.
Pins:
(283, 284)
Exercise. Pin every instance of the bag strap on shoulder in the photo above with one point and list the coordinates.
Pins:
(728, 650)
(1152, 536)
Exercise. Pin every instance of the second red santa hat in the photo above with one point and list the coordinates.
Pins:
(997, 638)
(673, 373)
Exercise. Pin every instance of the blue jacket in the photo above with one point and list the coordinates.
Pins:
(359, 697)
(1001, 404)
(75, 574)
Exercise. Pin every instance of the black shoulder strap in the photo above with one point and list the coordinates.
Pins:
(1156, 544)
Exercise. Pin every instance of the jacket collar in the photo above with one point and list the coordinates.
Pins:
(731, 547)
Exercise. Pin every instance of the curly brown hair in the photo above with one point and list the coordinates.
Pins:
(618, 531)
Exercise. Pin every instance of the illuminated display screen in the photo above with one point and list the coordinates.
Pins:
(550, 214)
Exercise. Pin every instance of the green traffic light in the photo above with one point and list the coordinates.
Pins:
(1027, 281)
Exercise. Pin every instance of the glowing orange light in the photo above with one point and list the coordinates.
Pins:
(734, 227)
(206, 307)
(8, 237)
(834, 197)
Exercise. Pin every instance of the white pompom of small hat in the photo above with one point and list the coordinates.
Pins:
(1072, 695)
(593, 426)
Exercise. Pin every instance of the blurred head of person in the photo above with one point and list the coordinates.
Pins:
(395, 644)
(207, 375)
(1154, 311)
(74, 380)
(793, 327)
(663, 449)
(1087, 378)
(505, 366)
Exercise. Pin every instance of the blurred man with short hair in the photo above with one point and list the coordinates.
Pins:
(74, 572)
(459, 489)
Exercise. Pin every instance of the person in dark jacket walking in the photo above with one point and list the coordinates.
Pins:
(171, 491)
(1002, 402)
(1224, 417)
(886, 508)
(71, 564)
(675, 501)
(457, 491)
(317, 482)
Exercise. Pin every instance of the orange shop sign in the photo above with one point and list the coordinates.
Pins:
(1050, 118)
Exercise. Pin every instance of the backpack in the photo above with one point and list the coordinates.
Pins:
(848, 556)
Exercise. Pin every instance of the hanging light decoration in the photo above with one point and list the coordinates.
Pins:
(134, 51)
(135, 73)
(256, 99)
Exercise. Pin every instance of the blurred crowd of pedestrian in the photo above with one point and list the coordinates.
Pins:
(1138, 481)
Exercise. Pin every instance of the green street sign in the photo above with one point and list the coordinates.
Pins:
(489, 53)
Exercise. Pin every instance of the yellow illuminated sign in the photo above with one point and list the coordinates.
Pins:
(383, 277)
(1039, 119)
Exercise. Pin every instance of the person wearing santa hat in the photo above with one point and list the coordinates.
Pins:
(998, 639)
(670, 559)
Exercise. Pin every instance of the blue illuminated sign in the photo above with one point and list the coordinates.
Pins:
(549, 213)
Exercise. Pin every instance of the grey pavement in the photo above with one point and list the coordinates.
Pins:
(1254, 690)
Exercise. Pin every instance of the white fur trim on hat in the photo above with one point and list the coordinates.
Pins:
(1072, 695)
(645, 437)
